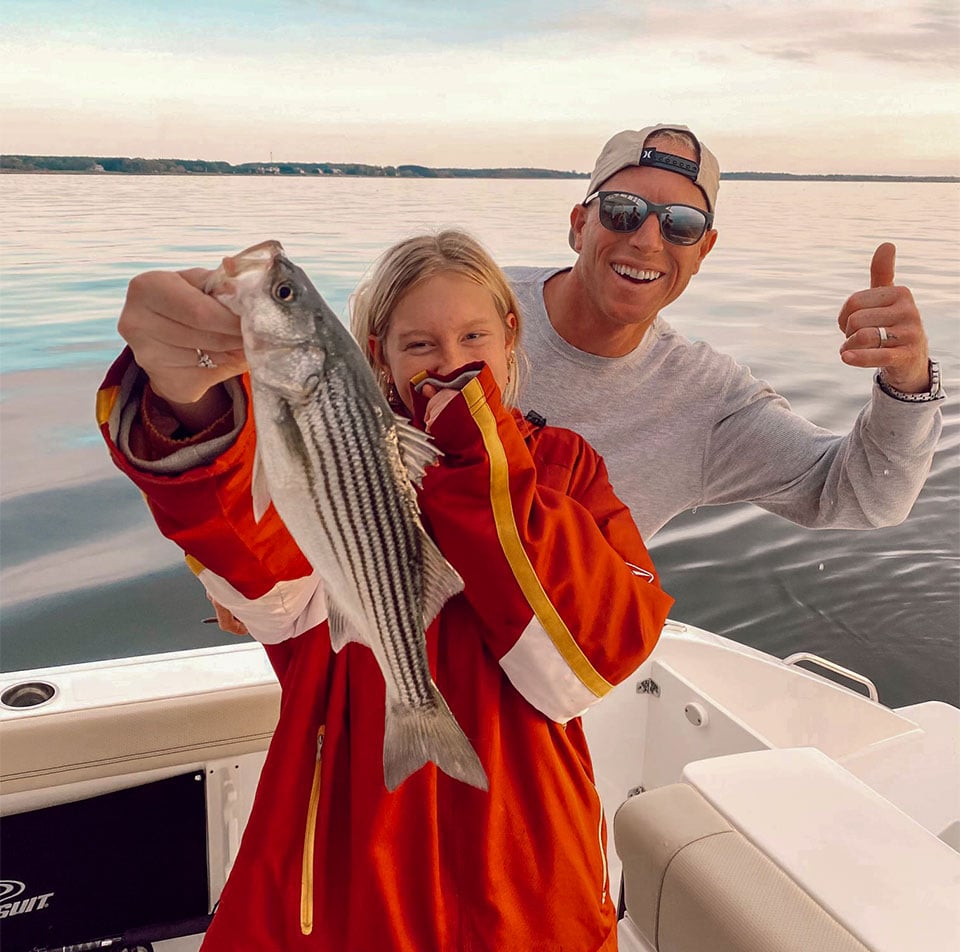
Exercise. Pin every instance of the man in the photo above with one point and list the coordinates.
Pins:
(679, 424)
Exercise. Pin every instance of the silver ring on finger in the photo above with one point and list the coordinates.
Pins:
(884, 336)
(205, 360)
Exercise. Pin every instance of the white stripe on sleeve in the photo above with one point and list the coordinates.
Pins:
(289, 609)
(538, 671)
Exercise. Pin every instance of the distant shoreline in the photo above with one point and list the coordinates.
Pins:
(104, 165)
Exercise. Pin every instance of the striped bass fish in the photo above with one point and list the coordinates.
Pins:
(339, 467)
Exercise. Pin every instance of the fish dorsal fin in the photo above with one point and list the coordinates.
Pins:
(259, 487)
(342, 630)
(441, 581)
(417, 450)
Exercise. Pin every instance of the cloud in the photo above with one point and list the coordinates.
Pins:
(389, 81)
(818, 32)
(926, 35)
(792, 54)
(927, 39)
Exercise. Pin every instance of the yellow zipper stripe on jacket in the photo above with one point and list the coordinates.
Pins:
(309, 839)
(514, 551)
(603, 852)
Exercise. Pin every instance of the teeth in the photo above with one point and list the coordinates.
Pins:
(637, 275)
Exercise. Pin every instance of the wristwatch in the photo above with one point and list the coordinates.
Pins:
(934, 393)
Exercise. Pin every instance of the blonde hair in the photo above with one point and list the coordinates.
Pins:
(675, 137)
(413, 260)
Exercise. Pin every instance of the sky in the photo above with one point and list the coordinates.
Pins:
(851, 86)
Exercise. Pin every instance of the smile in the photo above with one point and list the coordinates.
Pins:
(636, 275)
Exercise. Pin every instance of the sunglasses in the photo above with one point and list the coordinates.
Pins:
(624, 212)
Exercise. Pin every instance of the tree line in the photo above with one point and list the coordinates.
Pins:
(140, 166)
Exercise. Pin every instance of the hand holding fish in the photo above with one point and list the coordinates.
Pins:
(884, 329)
(171, 325)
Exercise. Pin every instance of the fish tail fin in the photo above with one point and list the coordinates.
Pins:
(415, 735)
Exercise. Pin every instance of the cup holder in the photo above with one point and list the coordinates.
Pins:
(27, 694)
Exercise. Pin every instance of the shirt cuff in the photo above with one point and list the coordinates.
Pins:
(146, 432)
(162, 434)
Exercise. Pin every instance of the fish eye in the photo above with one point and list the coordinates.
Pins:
(284, 292)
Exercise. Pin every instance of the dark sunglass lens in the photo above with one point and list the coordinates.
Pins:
(622, 213)
(683, 225)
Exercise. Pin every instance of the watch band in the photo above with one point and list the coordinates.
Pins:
(934, 393)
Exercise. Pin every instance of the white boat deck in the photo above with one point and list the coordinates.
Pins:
(703, 697)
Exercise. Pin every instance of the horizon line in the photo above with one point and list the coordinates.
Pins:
(274, 167)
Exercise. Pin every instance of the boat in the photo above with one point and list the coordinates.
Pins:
(754, 804)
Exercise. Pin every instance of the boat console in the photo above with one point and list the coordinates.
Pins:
(124, 791)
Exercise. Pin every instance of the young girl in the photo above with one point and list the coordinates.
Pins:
(560, 603)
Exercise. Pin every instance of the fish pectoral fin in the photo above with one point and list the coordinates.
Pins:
(417, 450)
(415, 735)
(259, 487)
(342, 630)
(441, 581)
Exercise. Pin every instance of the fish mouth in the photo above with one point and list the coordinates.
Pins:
(636, 275)
(255, 257)
(259, 257)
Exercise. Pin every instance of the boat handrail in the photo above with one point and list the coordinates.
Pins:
(836, 669)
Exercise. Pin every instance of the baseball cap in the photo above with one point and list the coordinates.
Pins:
(629, 148)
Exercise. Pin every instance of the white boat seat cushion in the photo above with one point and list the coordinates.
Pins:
(883, 876)
(693, 883)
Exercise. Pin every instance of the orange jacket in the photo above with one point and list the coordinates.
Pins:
(561, 602)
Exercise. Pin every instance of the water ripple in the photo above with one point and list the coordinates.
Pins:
(884, 602)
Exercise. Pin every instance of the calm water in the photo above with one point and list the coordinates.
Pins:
(86, 576)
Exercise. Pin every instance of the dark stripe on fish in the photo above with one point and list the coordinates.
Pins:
(346, 430)
(397, 607)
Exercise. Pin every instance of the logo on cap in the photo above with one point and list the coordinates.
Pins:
(670, 162)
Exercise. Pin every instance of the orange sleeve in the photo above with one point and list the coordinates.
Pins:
(555, 567)
(255, 570)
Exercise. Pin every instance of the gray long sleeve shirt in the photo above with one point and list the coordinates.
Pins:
(681, 425)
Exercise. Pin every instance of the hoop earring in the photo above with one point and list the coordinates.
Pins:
(393, 397)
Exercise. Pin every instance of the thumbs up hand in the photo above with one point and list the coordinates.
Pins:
(883, 328)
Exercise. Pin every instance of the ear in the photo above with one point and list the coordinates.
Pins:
(511, 323)
(375, 348)
(578, 218)
(706, 246)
